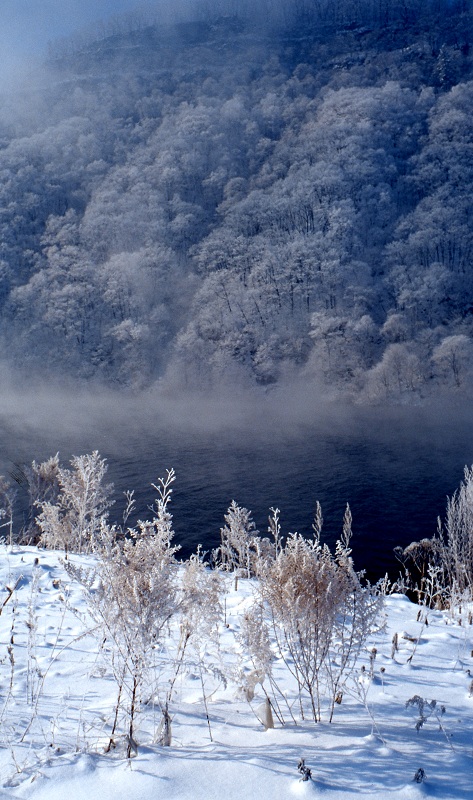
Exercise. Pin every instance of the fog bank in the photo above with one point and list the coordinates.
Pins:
(286, 449)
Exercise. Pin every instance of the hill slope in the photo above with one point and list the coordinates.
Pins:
(221, 201)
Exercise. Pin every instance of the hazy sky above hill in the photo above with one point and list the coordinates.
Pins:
(28, 25)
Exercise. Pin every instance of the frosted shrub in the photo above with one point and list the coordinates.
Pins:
(239, 547)
(440, 570)
(254, 639)
(256, 655)
(200, 601)
(43, 487)
(132, 595)
(300, 590)
(200, 613)
(74, 519)
(457, 536)
(425, 710)
(320, 614)
(274, 530)
(7, 499)
(420, 560)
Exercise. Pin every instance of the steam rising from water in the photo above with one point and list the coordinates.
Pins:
(54, 410)
(285, 448)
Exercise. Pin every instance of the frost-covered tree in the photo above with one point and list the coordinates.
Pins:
(399, 373)
(453, 358)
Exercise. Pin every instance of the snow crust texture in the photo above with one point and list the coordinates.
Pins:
(57, 700)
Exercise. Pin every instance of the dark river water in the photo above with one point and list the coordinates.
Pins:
(395, 468)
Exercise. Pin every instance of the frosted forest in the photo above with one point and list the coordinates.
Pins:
(253, 197)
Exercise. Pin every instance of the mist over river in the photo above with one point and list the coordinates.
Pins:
(394, 467)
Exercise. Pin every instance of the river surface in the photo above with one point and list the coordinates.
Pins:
(394, 468)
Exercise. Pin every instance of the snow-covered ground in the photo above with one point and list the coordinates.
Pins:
(57, 700)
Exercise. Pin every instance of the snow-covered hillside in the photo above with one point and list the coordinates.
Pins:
(278, 194)
(58, 699)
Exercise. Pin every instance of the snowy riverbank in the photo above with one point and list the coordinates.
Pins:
(57, 700)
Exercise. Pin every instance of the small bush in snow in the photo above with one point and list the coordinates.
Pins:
(320, 613)
(132, 595)
(7, 499)
(420, 776)
(426, 709)
(440, 570)
(73, 520)
(305, 771)
(238, 550)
